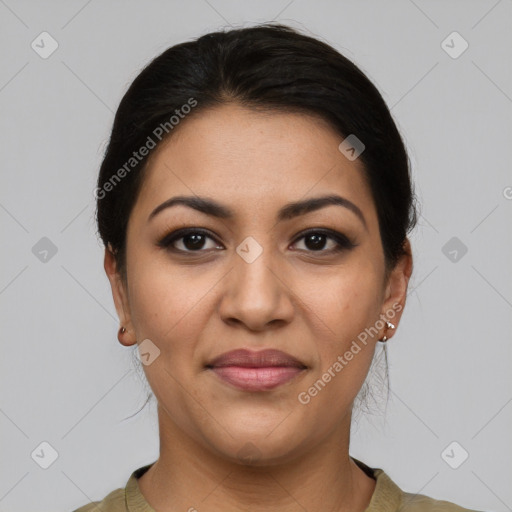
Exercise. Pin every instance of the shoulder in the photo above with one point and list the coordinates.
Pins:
(388, 497)
(113, 502)
(420, 503)
(127, 499)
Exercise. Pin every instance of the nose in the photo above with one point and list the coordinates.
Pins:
(256, 294)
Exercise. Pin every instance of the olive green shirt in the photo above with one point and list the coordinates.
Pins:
(387, 497)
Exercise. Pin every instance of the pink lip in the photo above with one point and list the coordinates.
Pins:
(256, 371)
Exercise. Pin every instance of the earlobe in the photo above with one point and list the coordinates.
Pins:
(124, 337)
(125, 334)
(396, 289)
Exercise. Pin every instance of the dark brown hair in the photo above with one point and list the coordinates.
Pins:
(266, 67)
(269, 67)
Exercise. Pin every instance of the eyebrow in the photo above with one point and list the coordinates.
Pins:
(288, 211)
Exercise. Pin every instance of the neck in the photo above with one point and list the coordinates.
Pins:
(188, 476)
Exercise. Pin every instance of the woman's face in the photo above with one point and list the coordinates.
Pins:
(255, 281)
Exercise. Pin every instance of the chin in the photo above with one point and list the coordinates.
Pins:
(258, 447)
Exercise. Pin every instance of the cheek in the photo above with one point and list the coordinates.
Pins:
(348, 305)
(165, 302)
(166, 306)
(167, 309)
(348, 308)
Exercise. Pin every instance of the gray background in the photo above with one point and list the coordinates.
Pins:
(66, 380)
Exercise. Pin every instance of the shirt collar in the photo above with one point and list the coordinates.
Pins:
(386, 497)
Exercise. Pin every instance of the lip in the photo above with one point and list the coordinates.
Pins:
(256, 371)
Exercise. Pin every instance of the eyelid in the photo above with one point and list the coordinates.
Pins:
(331, 233)
(167, 240)
(343, 242)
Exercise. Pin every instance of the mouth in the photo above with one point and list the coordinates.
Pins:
(256, 371)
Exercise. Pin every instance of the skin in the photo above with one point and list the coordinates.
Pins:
(293, 297)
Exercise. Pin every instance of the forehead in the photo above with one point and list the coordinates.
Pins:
(252, 161)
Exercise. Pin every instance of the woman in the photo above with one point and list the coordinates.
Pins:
(254, 202)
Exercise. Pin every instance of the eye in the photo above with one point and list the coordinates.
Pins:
(315, 241)
(193, 240)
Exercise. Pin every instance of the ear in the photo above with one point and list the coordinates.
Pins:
(395, 293)
(120, 297)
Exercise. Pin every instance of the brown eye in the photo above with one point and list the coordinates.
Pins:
(190, 240)
(317, 240)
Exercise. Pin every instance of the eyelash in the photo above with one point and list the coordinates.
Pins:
(342, 242)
